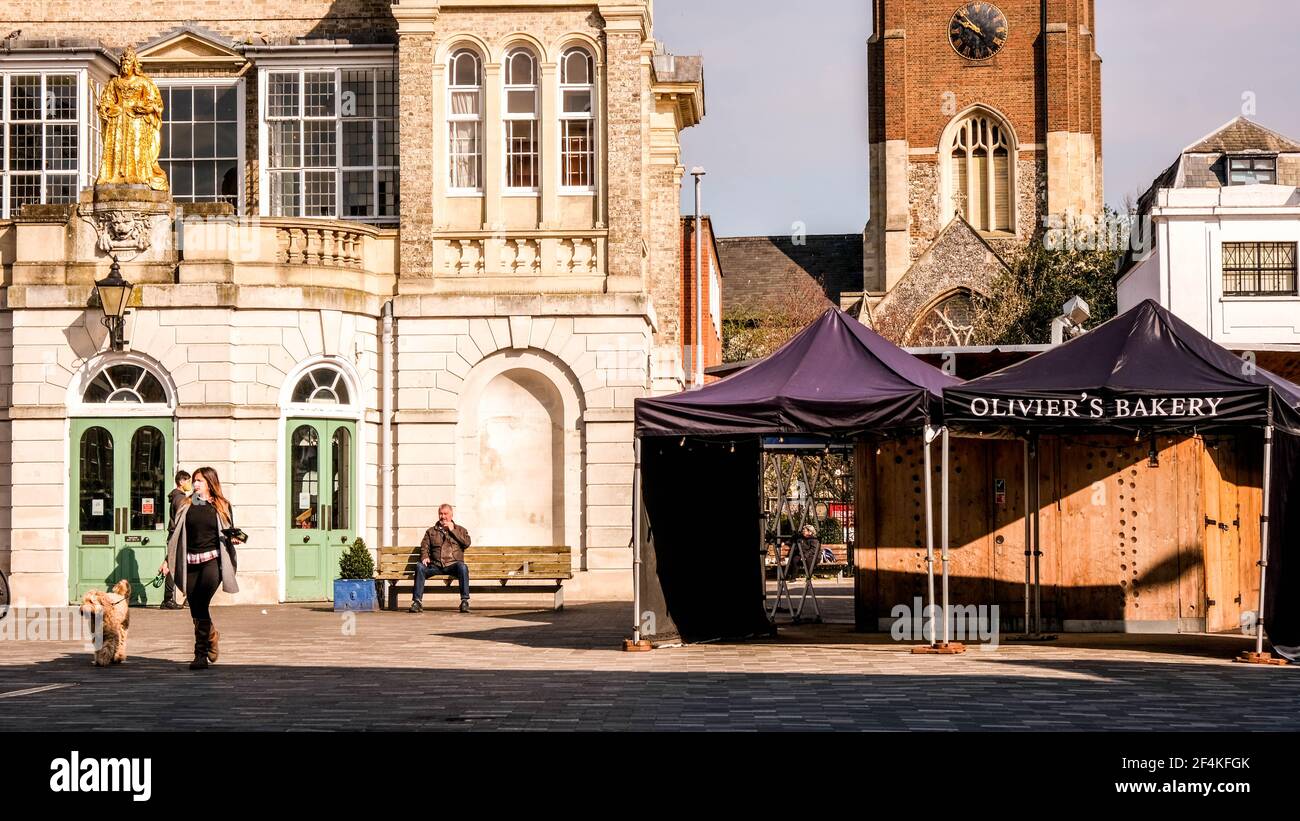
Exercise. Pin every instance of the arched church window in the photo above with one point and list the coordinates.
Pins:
(322, 386)
(951, 321)
(979, 160)
(125, 383)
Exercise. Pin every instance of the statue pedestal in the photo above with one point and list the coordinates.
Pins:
(132, 222)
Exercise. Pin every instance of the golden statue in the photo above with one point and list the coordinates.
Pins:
(130, 109)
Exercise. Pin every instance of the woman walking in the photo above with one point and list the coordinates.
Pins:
(202, 554)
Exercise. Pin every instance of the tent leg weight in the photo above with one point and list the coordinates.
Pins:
(642, 646)
(945, 648)
(1259, 658)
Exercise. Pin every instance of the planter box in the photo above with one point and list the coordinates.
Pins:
(355, 594)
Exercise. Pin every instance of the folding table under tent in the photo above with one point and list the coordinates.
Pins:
(1148, 372)
(697, 488)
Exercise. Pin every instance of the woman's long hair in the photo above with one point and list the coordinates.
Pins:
(219, 499)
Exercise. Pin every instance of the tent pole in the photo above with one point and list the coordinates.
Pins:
(943, 541)
(1263, 539)
(929, 528)
(1038, 540)
(1029, 537)
(636, 541)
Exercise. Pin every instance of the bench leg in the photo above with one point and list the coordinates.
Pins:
(559, 598)
(391, 588)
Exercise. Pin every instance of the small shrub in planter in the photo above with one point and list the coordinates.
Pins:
(355, 587)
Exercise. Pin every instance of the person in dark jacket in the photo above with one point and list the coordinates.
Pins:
(179, 494)
(805, 552)
(201, 552)
(442, 553)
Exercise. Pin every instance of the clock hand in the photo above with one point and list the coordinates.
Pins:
(966, 22)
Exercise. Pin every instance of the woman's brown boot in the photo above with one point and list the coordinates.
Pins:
(213, 635)
(201, 629)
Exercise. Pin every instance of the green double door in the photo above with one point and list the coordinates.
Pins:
(121, 476)
(322, 504)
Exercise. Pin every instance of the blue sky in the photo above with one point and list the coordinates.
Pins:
(785, 139)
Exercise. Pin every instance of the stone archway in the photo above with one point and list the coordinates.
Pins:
(519, 453)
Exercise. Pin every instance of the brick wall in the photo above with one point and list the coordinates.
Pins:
(712, 339)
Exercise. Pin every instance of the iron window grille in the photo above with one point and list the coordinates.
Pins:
(1259, 269)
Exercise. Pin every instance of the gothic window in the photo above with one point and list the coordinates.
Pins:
(577, 137)
(124, 383)
(979, 161)
(521, 120)
(322, 386)
(948, 322)
(465, 122)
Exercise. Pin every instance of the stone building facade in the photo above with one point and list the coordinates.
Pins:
(416, 252)
(998, 141)
(970, 150)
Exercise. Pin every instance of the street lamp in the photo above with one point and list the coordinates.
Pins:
(114, 294)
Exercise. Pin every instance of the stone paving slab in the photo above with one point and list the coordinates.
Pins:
(303, 667)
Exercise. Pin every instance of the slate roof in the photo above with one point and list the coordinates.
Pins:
(764, 271)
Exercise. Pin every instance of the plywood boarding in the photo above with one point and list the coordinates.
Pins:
(1122, 539)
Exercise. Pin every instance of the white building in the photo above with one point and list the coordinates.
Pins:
(1224, 226)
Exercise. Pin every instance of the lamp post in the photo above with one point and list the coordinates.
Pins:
(114, 294)
(698, 376)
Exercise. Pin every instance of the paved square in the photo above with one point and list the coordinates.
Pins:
(303, 667)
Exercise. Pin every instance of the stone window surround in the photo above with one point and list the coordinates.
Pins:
(453, 119)
(93, 68)
(337, 58)
(78, 407)
(572, 117)
(241, 128)
(511, 85)
(946, 208)
(492, 59)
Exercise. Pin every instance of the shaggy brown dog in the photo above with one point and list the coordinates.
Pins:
(112, 611)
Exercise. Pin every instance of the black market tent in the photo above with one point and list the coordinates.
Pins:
(1147, 371)
(697, 486)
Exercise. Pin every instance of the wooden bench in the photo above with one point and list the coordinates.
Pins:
(486, 564)
(836, 568)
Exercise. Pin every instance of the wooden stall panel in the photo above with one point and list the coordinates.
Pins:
(1249, 483)
(866, 588)
(1091, 549)
(1190, 530)
(1222, 545)
(970, 568)
(1006, 544)
(1149, 516)
(900, 524)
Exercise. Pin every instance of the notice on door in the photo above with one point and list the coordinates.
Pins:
(1000, 492)
(96, 507)
(304, 501)
(146, 506)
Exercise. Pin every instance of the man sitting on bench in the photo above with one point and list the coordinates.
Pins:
(442, 553)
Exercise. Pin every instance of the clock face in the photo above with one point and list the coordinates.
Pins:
(978, 30)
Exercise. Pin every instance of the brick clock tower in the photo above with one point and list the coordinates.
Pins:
(984, 119)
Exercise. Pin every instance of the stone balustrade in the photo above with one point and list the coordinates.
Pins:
(520, 253)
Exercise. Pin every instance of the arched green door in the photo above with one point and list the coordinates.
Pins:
(322, 504)
(121, 475)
